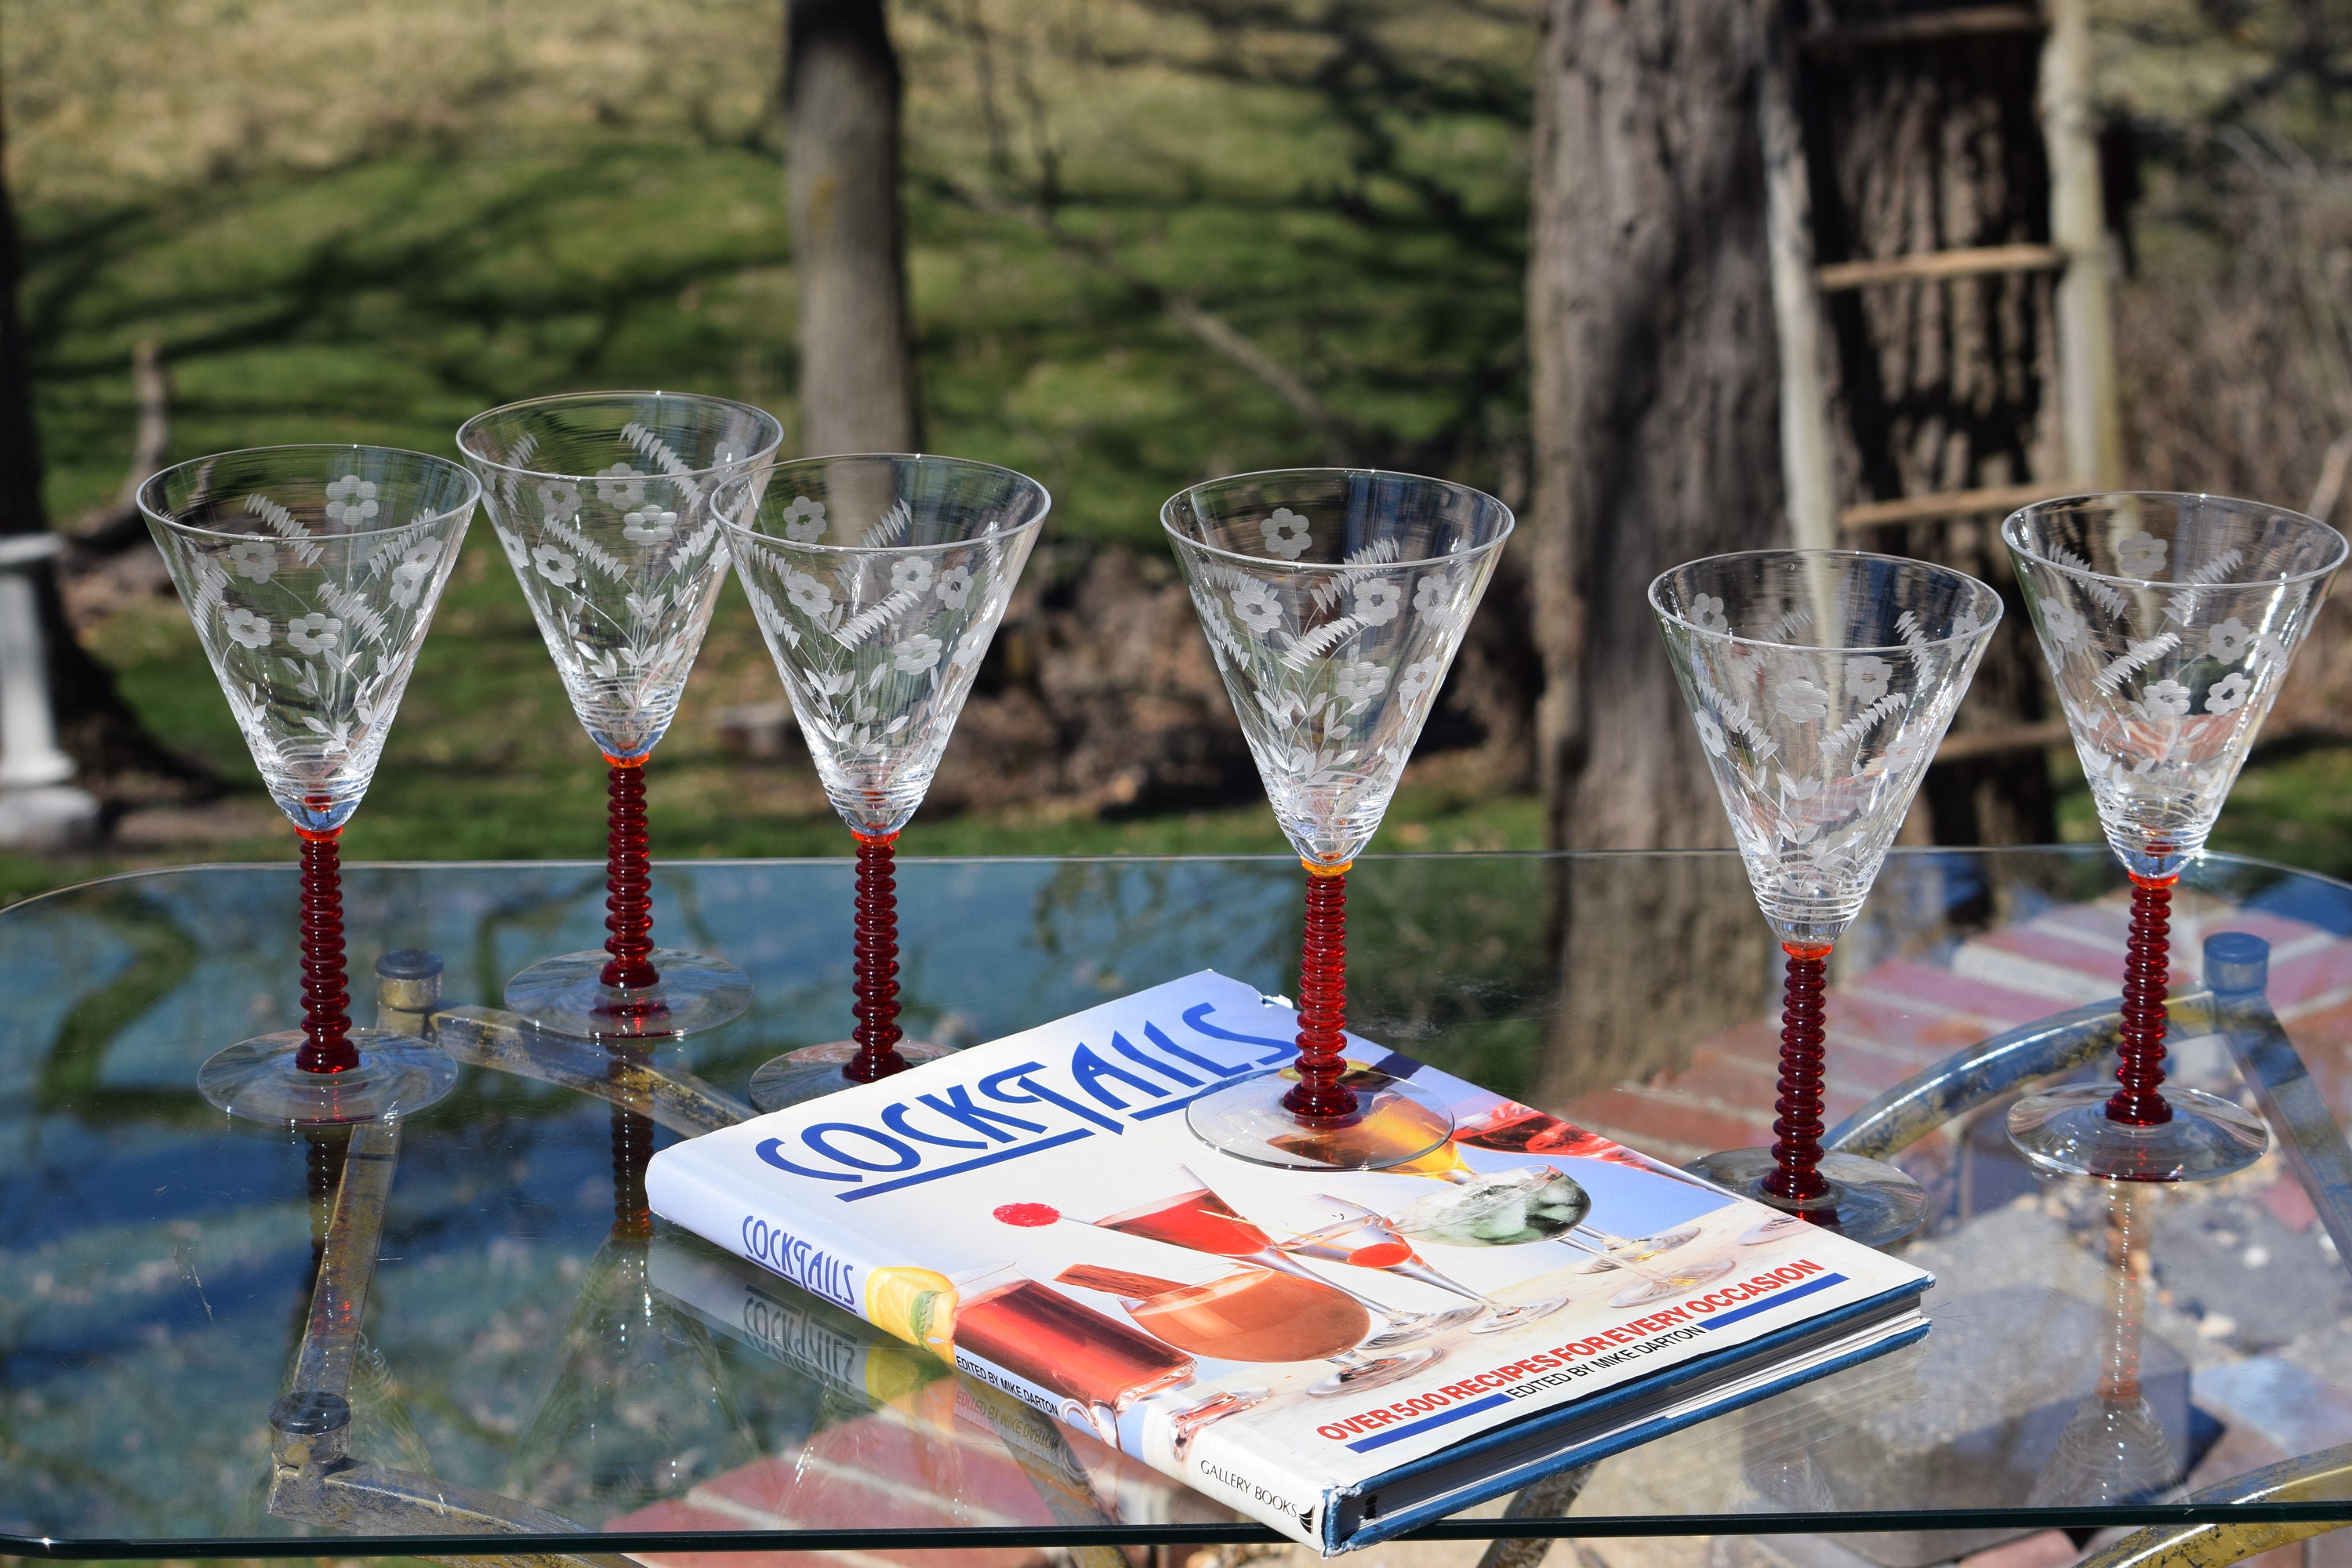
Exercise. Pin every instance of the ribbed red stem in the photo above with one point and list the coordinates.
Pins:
(877, 1033)
(629, 881)
(1796, 1133)
(1322, 1001)
(326, 1027)
(2147, 968)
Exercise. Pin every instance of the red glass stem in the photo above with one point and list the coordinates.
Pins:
(1322, 1001)
(326, 1027)
(877, 1033)
(629, 881)
(1797, 1132)
(2147, 968)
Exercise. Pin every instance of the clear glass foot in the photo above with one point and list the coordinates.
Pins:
(695, 993)
(257, 1079)
(1411, 1328)
(815, 1071)
(1656, 1284)
(1395, 1123)
(1354, 1377)
(2066, 1132)
(1512, 1317)
(1626, 1250)
(1869, 1200)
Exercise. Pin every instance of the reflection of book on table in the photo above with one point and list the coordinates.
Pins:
(1342, 1353)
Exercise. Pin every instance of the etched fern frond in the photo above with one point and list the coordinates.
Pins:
(1379, 552)
(865, 624)
(588, 550)
(2134, 657)
(2109, 598)
(284, 525)
(1309, 647)
(1915, 639)
(1788, 626)
(2182, 605)
(890, 530)
(1850, 733)
(656, 451)
(354, 610)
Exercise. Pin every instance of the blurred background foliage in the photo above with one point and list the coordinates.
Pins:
(1148, 241)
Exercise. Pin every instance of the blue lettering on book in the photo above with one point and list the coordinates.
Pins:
(1104, 1087)
(810, 1267)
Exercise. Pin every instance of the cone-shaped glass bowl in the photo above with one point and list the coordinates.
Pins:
(603, 504)
(2167, 622)
(879, 582)
(1333, 600)
(1821, 682)
(310, 574)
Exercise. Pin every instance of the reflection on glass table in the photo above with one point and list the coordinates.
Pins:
(469, 1306)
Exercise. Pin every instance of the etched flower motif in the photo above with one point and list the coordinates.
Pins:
(351, 500)
(2066, 624)
(1711, 733)
(1357, 684)
(969, 652)
(243, 627)
(2228, 694)
(1286, 533)
(2142, 554)
(2269, 649)
(809, 595)
(1965, 624)
(620, 486)
(313, 632)
(917, 653)
(1255, 602)
(838, 685)
(1707, 613)
(2165, 699)
(415, 569)
(554, 565)
(1907, 750)
(1802, 699)
(1433, 597)
(253, 559)
(1418, 676)
(2228, 642)
(518, 553)
(648, 524)
(1378, 602)
(955, 586)
(559, 500)
(1868, 676)
(804, 520)
(911, 575)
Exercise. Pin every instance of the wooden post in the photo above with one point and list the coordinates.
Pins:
(1796, 297)
(2086, 348)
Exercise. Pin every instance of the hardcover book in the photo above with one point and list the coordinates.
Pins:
(1342, 1355)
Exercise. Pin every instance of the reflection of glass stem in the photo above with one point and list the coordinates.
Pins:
(2119, 1378)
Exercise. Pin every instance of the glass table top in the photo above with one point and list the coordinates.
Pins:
(537, 1356)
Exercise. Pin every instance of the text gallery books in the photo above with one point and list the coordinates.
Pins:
(1342, 1355)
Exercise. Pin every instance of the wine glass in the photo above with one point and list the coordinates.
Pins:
(1333, 600)
(2167, 622)
(310, 574)
(603, 501)
(1260, 1315)
(1200, 1221)
(877, 581)
(1821, 682)
(1362, 1238)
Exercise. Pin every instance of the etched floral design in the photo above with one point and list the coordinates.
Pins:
(1710, 733)
(2229, 640)
(415, 570)
(807, 593)
(1707, 613)
(1286, 533)
(243, 627)
(804, 520)
(351, 502)
(911, 575)
(314, 633)
(2064, 625)
(253, 560)
(2228, 694)
(915, 654)
(621, 487)
(555, 565)
(1867, 677)
(1420, 676)
(1800, 699)
(648, 524)
(1378, 601)
(1357, 683)
(2164, 700)
(955, 586)
(2142, 555)
(559, 500)
(1257, 606)
(518, 553)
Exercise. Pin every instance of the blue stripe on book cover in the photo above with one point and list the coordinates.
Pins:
(1389, 1524)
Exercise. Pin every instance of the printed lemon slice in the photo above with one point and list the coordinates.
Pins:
(918, 1305)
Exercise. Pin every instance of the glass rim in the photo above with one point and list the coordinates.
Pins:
(558, 399)
(1276, 562)
(1651, 594)
(149, 509)
(1044, 498)
(2061, 503)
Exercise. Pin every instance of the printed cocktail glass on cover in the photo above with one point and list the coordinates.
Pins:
(1338, 1352)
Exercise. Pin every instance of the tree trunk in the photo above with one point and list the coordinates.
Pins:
(841, 115)
(95, 726)
(1944, 385)
(1655, 403)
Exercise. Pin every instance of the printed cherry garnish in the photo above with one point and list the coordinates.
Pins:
(1380, 1255)
(1027, 1214)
